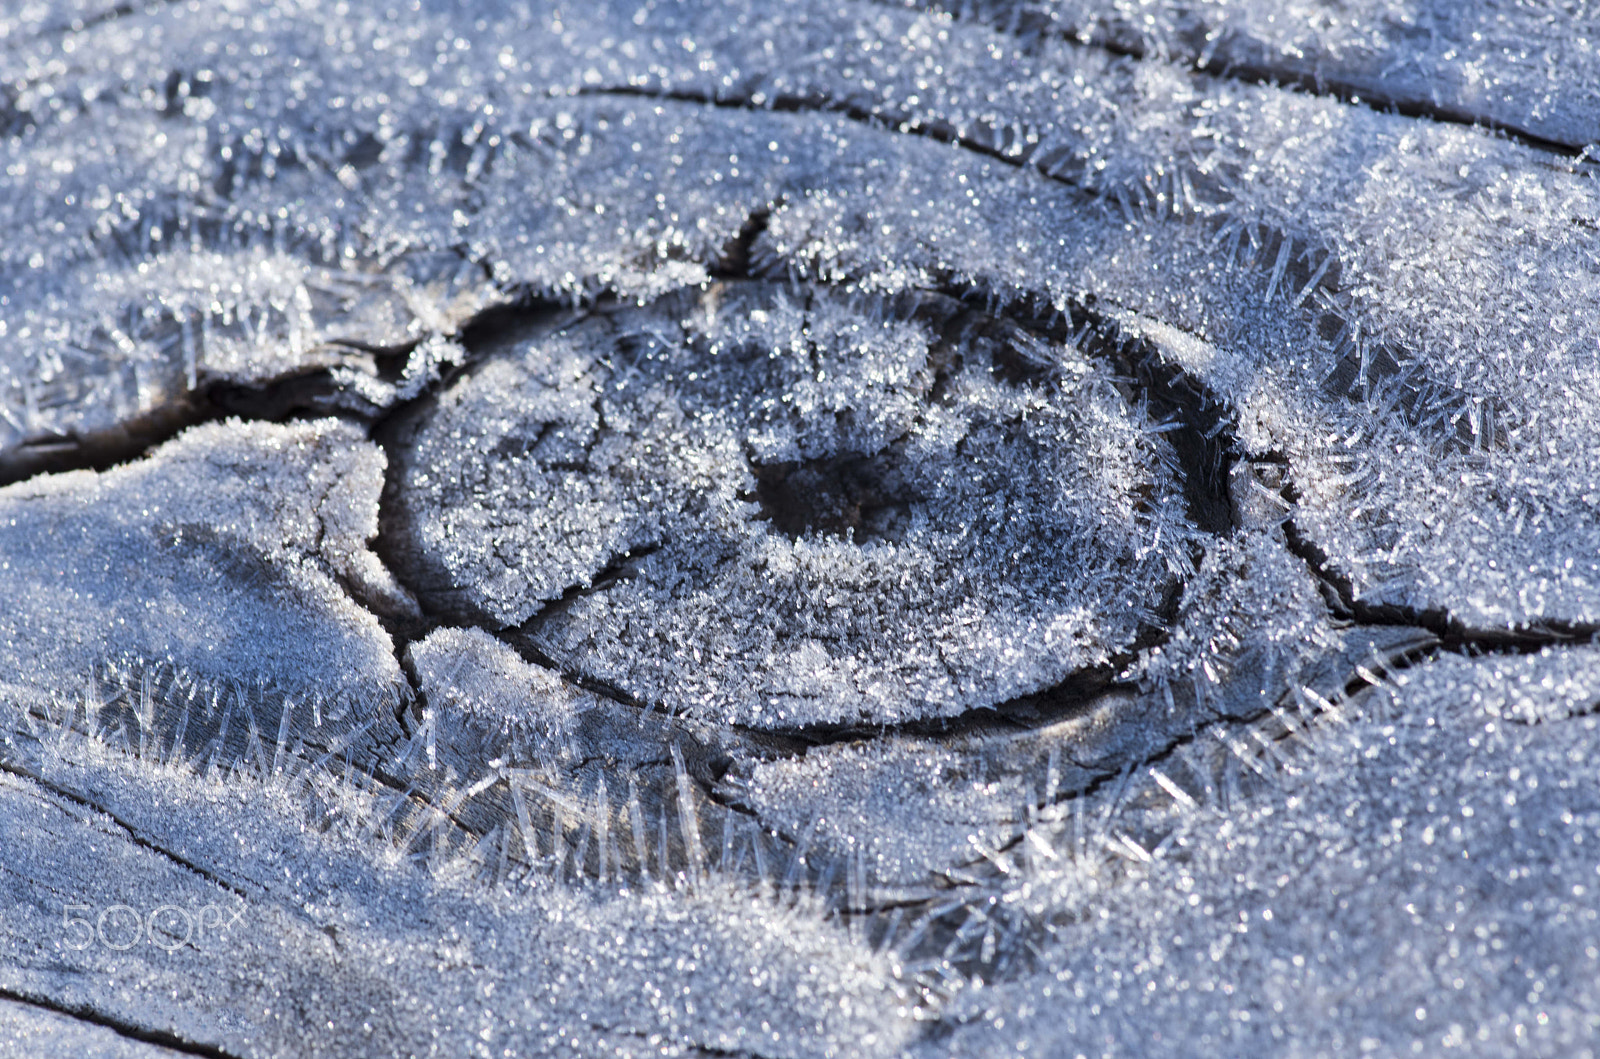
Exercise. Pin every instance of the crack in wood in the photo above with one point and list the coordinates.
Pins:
(125, 1028)
(135, 835)
(1018, 21)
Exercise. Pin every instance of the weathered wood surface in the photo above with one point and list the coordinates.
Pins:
(801, 528)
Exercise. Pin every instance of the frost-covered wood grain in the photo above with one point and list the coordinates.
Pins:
(767, 507)
(799, 528)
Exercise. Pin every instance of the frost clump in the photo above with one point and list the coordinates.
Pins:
(1249, 628)
(1403, 873)
(779, 509)
(470, 672)
(910, 812)
(229, 553)
(325, 899)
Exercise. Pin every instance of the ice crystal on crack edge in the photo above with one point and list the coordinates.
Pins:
(799, 528)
